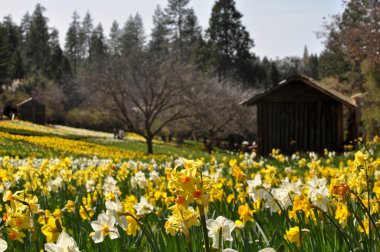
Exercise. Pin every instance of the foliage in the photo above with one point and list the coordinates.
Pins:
(371, 117)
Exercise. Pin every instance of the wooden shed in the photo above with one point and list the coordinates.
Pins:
(302, 115)
(31, 110)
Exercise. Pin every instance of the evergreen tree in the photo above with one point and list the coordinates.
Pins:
(73, 42)
(265, 65)
(3, 57)
(305, 57)
(16, 69)
(289, 66)
(228, 42)
(133, 37)
(85, 35)
(192, 34)
(333, 62)
(10, 42)
(114, 39)
(274, 74)
(37, 47)
(183, 26)
(58, 64)
(371, 115)
(98, 46)
(13, 35)
(312, 67)
(159, 42)
(25, 27)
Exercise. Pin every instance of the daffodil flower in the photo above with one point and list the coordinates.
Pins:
(105, 225)
(3, 245)
(65, 243)
(115, 209)
(229, 250)
(143, 207)
(267, 250)
(220, 227)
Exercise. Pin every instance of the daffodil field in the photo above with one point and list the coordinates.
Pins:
(62, 194)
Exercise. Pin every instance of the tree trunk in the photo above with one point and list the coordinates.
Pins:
(149, 142)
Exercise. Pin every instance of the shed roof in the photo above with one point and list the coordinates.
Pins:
(349, 102)
(31, 99)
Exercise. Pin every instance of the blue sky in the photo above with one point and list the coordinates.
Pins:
(279, 28)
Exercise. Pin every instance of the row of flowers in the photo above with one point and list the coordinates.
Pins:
(242, 204)
(64, 130)
(76, 147)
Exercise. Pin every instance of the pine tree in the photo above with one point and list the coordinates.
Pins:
(37, 47)
(183, 25)
(10, 43)
(85, 35)
(98, 46)
(25, 27)
(3, 57)
(305, 57)
(312, 67)
(114, 39)
(73, 43)
(228, 42)
(159, 42)
(58, 68)
(133, 38)
(274, 74)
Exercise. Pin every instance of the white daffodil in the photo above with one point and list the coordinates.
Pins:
(143, 207)
(65, 243)
(220, 227)
(139, 180)
(110, 186)
(154, 176)
(5, 186)
(3, 245)
(318, 192)
(90, 185)
(267, 250)
(105, 225)
(282, 197)
(115, 209)
(229, 250)
(255, 188)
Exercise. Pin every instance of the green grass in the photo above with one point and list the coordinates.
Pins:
(190, 149)
(24, 150)
(24, 132)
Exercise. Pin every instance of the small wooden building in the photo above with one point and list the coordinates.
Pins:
(301, 115)
(31, 110)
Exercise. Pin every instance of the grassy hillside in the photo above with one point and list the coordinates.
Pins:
(23, 139)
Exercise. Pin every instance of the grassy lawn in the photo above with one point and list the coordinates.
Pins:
(132, 142)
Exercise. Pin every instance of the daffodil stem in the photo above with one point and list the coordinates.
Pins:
(337, 227)
(154, 246)
(369, 215)
(369, 202)
(204, 226)
(220, 239)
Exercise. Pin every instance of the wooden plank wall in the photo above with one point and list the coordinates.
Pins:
(299, 126)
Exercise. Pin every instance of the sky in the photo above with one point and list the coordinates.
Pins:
(279, 28)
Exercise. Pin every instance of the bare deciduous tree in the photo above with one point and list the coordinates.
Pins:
(147, 94)
(216, 111)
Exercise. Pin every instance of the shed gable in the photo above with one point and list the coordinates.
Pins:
(296, 91)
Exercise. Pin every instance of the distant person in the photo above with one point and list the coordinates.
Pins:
(121, 134)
